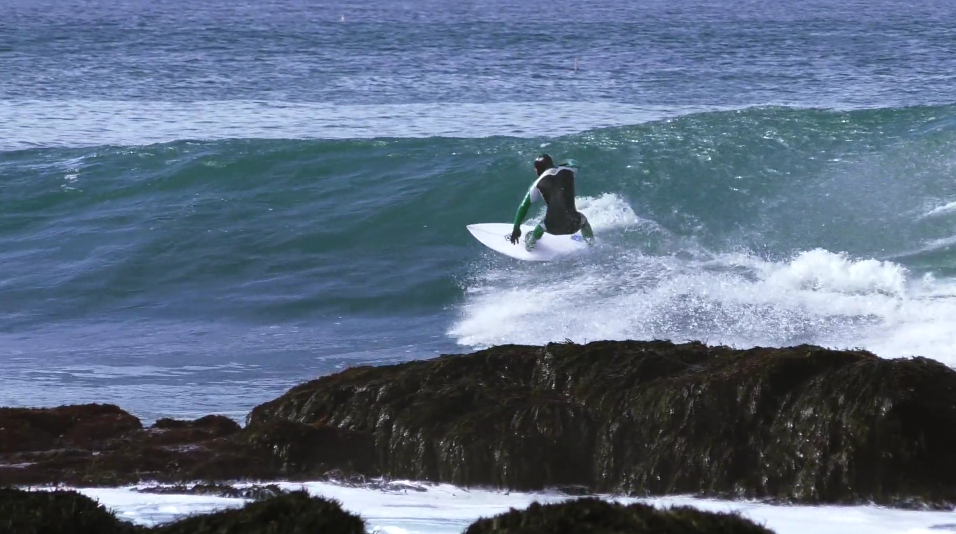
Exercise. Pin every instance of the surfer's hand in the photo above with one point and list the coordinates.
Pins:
(515, 235)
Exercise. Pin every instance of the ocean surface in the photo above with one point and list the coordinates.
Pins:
(203, 204)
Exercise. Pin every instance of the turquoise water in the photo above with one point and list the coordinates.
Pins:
(201, 206)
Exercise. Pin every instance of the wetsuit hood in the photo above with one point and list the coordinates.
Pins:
(543, 163)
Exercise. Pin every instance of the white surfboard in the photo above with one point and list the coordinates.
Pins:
(495, 236)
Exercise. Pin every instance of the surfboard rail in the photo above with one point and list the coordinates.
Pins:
(496, 237)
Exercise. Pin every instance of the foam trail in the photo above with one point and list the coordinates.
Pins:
(442, 508)
(817, 297)
(942, 210)
(609, 211)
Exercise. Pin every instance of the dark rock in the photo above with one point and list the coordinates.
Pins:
(594, 515)
(57, 512)
(127, 459)
(293, 513)
(799, 424)
(215, 425)
(33, 429)
(288, 450)
(172, 432)
(98, 445)
(572, 490)
(466, 420)
(254, 492)
(302, 450)
(70, 512)
(379, 484)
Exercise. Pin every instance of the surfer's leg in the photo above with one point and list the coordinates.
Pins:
(533, 236)
(586, 231)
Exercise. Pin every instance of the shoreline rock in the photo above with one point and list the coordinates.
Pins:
(594, 515)
(45, 512)
(295, 511)
(793, 425)
(254, 492)
(113, 449)
(801, 424)
(42, 512)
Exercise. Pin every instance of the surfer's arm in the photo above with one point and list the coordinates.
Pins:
(523, 210)
(530, 197)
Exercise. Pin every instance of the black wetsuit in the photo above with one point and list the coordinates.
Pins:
(556, 187)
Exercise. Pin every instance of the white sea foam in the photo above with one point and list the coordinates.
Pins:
(621, 292)
(440, 509)
(949, 207)
(31, 123)
(609, 211)
(820, 270)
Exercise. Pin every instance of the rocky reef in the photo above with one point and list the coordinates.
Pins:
(69, 512)
(56, 512)
(800, 424)
(102, 445)
(293, 512)
(253, 492)
(595, 515)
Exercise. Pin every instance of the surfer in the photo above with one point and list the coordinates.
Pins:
(556, 186)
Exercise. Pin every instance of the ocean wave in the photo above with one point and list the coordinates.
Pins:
(819, 297)
(752, 226)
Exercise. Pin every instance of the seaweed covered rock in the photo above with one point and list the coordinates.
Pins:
(803, 423)
(210, 426)
(28, 429)
(57, 512)
(101, 445)
(467, 420)
(595, 515)
(70, 512)
(253, 492)
(296, 450)
(293, 513)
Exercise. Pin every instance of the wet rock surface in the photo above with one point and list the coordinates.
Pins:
(56, 512)
(593, 515)
(800, 424)
(293, 512)
(70, 512)
(83, 426)
(254, 492)
(105, 446)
